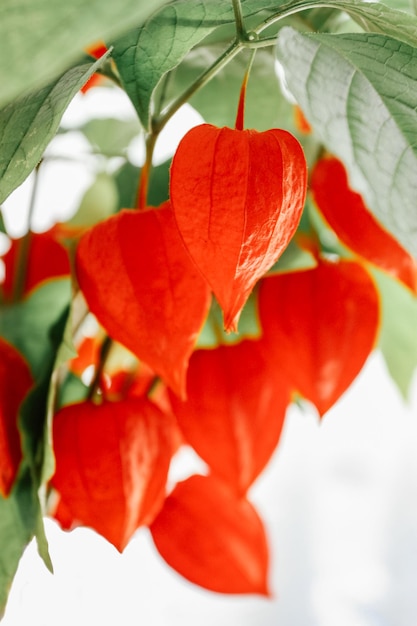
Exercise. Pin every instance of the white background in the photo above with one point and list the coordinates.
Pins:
(339, 498)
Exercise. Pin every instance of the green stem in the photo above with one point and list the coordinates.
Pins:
(240, 116)
(143, 186)
(240, 27)
(243, 40)
(109, 70)
(162, 93)
(104, 353)
(23, 250)
(152, 386)
(159, 122)
(296, 7)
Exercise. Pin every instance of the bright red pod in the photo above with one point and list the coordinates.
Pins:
(319, 327)
(16, 381)
(212, 537)
(234, 412)
(347, 214)
(140, 283)
(47, 258)
(112, 461)
(237, 196)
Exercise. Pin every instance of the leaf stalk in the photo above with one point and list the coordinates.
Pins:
(143, 186)
(22, 259)
(104, 353)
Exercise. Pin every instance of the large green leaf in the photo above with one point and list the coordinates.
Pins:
(398, 336)
(39, 40)
(359, 93)
(371, 16)
(28, 124)
(378, 18)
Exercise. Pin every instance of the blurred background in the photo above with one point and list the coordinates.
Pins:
(339, 497)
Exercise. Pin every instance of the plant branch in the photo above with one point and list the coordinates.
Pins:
(292, 7)
(22, 256)
(240, 116)
(143, 186)
(104, 353)
(240, 27)
(243, 40)
(109, 70)
(158, 123)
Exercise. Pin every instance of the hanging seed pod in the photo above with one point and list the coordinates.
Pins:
(237, 196)
(212, 537)
(150, 298)
(354, 224)
(112, 461)
(319, 327)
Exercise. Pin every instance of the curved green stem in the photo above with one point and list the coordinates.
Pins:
(242, 40)
(109, 70)
(292, 7)
(159, 122)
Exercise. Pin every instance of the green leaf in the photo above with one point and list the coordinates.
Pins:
(378, 18)
(402, 5)
(370, 16)
(42, 39)
(398, 337)
(159, 184)
(33, 327)
(110, 137)
(27, 324)
(99, 201)
(38, 328)
(61, 337)
(27, 125)
(127, 179)
(359, 92)
(72, 390)
(19, 520)
(265, 106)
(43, 335)
(145, 55)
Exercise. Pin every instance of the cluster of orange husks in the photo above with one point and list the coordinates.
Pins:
(236, 199)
